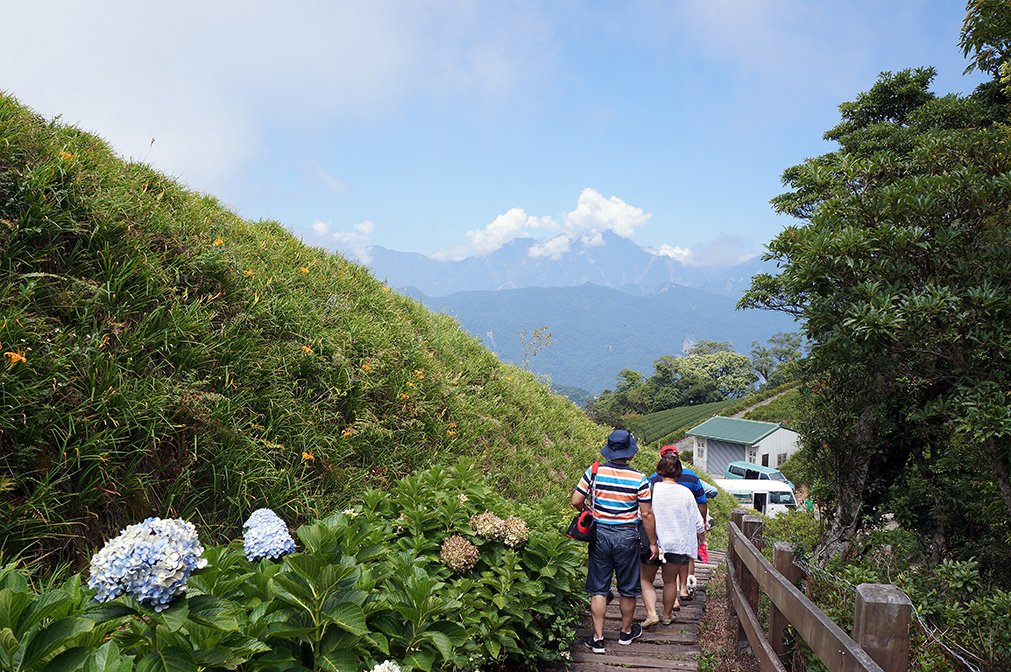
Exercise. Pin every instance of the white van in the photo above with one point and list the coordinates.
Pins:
(768, 497)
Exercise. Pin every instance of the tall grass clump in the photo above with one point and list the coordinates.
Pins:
(165, 357)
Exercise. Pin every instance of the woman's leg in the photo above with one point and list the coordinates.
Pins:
(683, 580)
(670, 589)
(647, 574)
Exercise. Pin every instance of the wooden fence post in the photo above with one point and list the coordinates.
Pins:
(749, 584)
(734, 567)
(782, 560)
(881, 625)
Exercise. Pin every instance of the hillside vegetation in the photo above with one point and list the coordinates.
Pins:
(671, 425)
(166, 357)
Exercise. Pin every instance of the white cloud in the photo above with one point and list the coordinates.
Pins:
(595, 214)
(505, 228)
(215, 78)
(356, 242)
(724, 250)
(452, 254)
(682, 254)
(332, 181)
(552, 248)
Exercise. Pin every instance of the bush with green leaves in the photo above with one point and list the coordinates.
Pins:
(365, 586)
(970, 616)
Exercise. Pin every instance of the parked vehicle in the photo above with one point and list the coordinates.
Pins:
(748, 470)
(765, 496)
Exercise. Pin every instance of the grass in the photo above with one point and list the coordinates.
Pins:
(182, 361)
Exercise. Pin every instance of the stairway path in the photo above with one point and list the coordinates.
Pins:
(670, 647)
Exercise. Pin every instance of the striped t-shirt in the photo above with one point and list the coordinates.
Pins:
(618, 491)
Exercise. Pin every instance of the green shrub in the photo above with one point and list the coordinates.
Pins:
(365, 585)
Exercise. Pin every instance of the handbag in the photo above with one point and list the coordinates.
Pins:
(644, 551)
(583, 527)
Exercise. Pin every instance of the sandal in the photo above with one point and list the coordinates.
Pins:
(667, 620)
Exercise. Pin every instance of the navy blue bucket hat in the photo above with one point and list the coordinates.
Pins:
(620, 445)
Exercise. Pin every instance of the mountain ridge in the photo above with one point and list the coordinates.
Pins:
(617, 263)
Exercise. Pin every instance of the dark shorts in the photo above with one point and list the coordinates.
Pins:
(615, 552)
(669, 558)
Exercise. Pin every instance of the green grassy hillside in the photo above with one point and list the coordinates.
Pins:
(166, 357)
(670, 425)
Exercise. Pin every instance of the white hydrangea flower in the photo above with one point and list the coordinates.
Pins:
(386, 666)
(266, 536)
(150, 561)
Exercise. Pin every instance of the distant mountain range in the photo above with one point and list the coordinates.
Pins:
(598, 331)
(619, 263)
(609, 307)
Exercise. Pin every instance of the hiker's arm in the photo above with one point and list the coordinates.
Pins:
(649, 522)
(578, 499)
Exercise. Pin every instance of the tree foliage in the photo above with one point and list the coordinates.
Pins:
(777, 362)
(710, 371)
(899, 268)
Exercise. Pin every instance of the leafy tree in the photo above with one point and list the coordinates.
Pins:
(986, 38)
(776, 362)
(711, 372)
(899, 269)
(609, 406)
(708, 347)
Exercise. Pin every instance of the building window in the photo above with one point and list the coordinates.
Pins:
(700, 450)
(781, 458)
(752, 455)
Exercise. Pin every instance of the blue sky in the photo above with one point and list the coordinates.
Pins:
(450, 128)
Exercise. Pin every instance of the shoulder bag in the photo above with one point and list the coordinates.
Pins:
(583, 527)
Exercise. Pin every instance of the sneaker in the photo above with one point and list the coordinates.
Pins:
(626, 638)
(595, 645)
(703, 553)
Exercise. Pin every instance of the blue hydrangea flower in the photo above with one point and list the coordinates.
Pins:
(266, 536)
(150, 561)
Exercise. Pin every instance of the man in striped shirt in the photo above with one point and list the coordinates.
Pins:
(621, 496)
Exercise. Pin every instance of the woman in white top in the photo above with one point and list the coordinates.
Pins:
(678, 526)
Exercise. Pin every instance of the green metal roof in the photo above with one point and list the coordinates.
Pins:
(734, 430)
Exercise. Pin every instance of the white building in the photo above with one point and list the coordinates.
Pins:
(719, 441)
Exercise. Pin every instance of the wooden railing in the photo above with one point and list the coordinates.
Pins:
(881, 619)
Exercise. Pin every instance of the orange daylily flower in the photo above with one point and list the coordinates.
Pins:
(307, 457)
(419, 373)
(366, 367)
(15, 356)
(304, 269)
(386, 290)
(248, 273)
(410, 383)
(66, 156)
(402, 396)
(306, 349)
(218, 242)
(452, 425)
(346, 432)
(451, 432)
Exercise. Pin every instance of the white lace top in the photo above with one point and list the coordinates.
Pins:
(677, 519)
